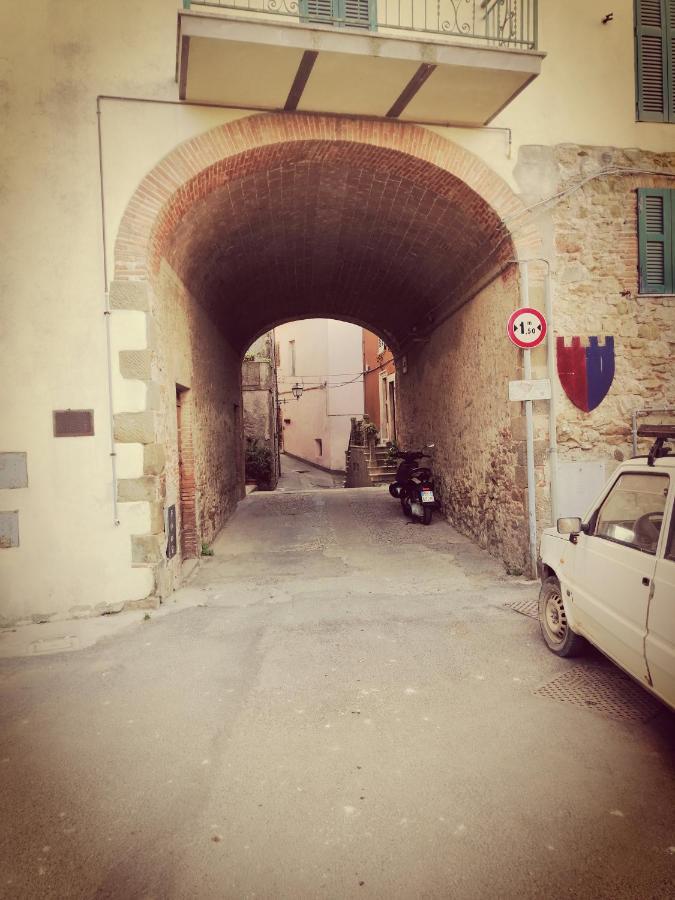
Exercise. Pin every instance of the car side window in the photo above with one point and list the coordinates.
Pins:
(670, 546)
(632, 512)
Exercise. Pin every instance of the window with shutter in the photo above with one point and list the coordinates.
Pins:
(670, 58)
(655, 60)
(318, 10)
(656, 230)
(344, 13)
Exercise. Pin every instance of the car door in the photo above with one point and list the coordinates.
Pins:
(660, 640)
(615, 564)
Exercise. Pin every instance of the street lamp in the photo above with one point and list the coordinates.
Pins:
(297, 390)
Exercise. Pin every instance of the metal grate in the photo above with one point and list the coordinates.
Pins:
(604, 690)
(529, 607)
(73, 422)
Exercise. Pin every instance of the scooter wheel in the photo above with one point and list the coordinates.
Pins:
(426, 515)
(395, 489)
(405, 506)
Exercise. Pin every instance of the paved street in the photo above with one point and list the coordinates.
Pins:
(347, 709)
(298, 475)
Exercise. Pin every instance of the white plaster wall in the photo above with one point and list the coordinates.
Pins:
(56, 58)
(329, 362)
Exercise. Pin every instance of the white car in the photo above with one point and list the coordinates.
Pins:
(609, 578)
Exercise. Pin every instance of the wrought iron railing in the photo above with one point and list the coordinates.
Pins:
(496, 23)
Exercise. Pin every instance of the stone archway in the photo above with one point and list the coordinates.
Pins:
(216, 213)
(200, 165)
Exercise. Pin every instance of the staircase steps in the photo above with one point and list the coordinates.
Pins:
(381, 467)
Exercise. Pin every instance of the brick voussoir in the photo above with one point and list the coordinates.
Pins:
(255, 134)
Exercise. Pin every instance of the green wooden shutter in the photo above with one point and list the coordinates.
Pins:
(349, 13)
(323, 11)
(655, 228)
(360, 13)
(670, 58)
(652, 60)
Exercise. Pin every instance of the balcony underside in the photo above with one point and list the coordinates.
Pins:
(257, 64)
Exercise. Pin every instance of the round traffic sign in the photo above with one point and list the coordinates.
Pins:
(526, 328)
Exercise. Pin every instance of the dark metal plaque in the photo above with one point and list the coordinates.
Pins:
(73, 422)
(171, 531)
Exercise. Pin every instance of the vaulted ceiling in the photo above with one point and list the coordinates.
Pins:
(328, 229)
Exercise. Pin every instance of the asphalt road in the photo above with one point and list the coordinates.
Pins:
(347, 710)
(298, 475)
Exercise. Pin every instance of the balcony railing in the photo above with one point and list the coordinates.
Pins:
(494, 23)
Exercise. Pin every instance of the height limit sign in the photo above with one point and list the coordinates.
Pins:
(526, 328)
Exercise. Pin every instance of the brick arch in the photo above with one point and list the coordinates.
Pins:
(389, 339)
(202, 164)
(415, 213)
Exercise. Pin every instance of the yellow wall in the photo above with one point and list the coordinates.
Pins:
(584, 95)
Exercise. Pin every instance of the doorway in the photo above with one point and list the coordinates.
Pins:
(388, 408)
(187, 524)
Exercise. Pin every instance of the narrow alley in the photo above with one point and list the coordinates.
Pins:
(349, 707)
(299, 475)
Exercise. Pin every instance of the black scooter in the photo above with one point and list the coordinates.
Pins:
(414, 485)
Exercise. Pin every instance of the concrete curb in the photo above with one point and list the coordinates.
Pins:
(76, 634)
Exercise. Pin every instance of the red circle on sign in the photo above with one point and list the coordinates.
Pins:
(526, 327)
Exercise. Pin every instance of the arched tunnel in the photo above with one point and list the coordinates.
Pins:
(349, 230)
(330, 229)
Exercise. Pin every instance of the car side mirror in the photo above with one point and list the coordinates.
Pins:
(569, 525)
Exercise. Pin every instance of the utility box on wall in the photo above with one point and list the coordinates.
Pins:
(582, 482)
(13, 471)
(9, 529)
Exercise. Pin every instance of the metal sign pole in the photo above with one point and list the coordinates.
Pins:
(529, 427)
(531, 484)
(552, 414)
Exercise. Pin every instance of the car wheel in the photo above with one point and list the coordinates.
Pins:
(555, 629)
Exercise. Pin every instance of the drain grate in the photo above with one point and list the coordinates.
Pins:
(525, 607)
(605, 690)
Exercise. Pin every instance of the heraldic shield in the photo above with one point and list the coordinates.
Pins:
(586, 373)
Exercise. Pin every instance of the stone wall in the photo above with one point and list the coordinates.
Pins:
(455, 395)
(596, 253)
(195, 356)
(591, 237)
(260, 399)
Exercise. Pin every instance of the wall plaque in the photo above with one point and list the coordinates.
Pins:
(73, 422)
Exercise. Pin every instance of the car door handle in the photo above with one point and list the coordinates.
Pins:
(646, 582)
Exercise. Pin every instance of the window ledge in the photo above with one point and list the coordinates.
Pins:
(655, 297)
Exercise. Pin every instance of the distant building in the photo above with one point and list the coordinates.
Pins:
(259, 392)
(323, 357)
(379, 385)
